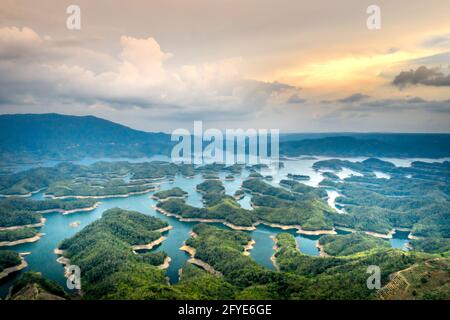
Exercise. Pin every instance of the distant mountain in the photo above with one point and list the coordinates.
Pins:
(65, 137)
(371, 145)
(55, 136)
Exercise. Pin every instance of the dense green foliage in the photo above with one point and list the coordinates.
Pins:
(8, 259)
(31, 277)
(69, 137)
(415, 197)
(367, 144)
(343, 245)
(17, 234)
(431, 245)
(211, 186)
(173, 192)
(110, 269)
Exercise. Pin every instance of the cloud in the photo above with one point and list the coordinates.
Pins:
(407, 104)
(295, 99)
(354, 98)
(36, 70)
(422, 76)
(442, 41)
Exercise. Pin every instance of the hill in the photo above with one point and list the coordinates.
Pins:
(67, 137)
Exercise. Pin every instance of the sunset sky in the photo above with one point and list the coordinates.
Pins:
(300, 66)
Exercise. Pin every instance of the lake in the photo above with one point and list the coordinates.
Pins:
(57, 226)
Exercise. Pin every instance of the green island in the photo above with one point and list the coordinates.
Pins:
(104, 251)
(344, 245)
(8, 259)
(299, 177)
(413, 198)
(116, 252)
(9, 237)
(171, 193)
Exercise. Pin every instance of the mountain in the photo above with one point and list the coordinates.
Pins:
(371, 145)
(63, 136)
(26, 137)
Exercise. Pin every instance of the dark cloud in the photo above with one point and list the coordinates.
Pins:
(411, 104)
(296, 99)
(357, 97)
(422, 75)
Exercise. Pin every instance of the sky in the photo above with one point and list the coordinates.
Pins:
(297, 66)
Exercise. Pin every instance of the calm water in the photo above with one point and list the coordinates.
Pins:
(57, 226)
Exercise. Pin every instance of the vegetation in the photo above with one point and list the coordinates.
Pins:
(211, 186)
(111, 270)
(42, 288)
(171, 193)
(18, 234)
(431, 245)
(8, 259)
(414, 197)
(344, 245)
(299, 177)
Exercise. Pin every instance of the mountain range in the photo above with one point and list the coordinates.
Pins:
(56, 136)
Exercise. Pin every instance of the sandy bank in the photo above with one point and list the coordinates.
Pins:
(230, 225)
(322, 252)
(388, 235)
(205, 266)
(26, 195)
(36, 225)
(190, 250)
(202, 264)
(126, 195)
(150, 245)
(248, 247)
(64, 261)
(6, 272)
(275, 248)
(64, 212)
(15, 243)
(165, 229)
(165, 264)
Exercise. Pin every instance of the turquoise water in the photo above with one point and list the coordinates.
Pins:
(57, 226)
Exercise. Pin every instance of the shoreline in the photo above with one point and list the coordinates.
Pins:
(36, 225)
(273, 258)
(322, 252)
(200, 263)
(125, 195)
(388, 235)
(242, 228)
(180, 218)
(165, 229)
(64, 212)
(165, 264)
(148, 246)
(248, 247)
(6, 272)
(167, 198)
(26, 195)
(17, 242)
(64, 261)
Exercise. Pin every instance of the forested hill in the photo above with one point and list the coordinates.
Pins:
(55, 136)
(63, 136)
(370, 145)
